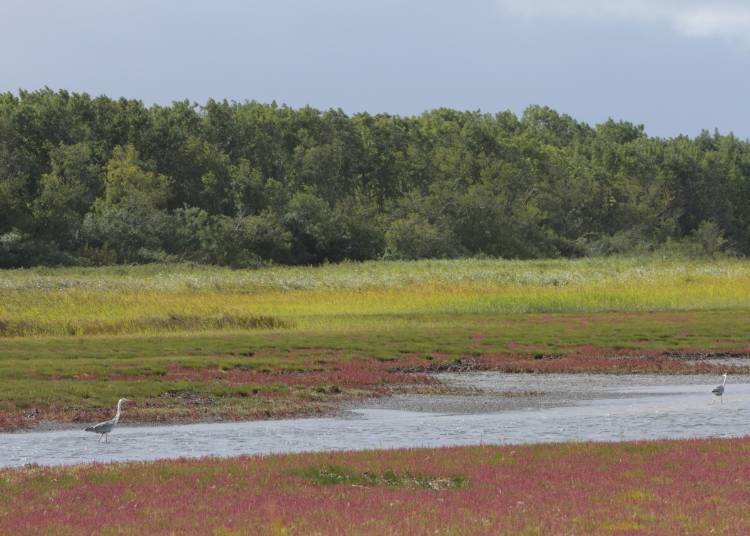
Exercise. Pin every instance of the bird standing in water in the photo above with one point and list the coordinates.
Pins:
(719, 390)
(106, 427)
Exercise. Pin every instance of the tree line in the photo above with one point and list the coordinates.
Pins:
(93, 180)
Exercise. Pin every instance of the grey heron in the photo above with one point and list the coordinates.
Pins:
(106, 427)
(719, 390)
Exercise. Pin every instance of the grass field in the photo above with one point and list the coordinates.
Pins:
(160, 298)
(666, 487)
(198, 343)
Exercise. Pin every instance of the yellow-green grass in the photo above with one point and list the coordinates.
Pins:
(162, 298)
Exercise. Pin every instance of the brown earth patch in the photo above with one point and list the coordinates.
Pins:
(701, 355)
(584, 319)
(582, 359)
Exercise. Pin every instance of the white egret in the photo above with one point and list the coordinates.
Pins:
(106, 427)
(719, 390)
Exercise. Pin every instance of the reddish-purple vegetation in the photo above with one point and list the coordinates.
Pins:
(592, 359)
(374, 374)
(665, 487)
(357, 374)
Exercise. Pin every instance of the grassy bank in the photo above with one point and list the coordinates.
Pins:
(197, 343)
(665, 487)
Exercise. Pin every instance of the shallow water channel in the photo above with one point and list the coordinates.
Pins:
(495, 409)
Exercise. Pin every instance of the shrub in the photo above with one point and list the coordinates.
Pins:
(413, 237)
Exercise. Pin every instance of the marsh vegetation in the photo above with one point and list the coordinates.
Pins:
(201, 343)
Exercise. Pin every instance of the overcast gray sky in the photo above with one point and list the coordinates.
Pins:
(676, 66)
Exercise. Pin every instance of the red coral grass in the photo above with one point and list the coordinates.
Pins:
(665, 487)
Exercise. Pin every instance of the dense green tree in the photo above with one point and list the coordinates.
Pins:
(127, 181)
(314, 229)
(128, 221)
(66, 193)
(97, 180)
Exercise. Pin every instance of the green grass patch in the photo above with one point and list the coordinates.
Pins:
(329, 475)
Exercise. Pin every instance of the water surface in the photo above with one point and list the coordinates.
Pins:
(498, 409)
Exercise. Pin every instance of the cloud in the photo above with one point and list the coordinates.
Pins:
(728, 19)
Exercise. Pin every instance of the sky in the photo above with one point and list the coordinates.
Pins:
(676, 66)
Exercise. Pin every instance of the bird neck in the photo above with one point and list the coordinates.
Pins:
(119, 409)
(724, 382)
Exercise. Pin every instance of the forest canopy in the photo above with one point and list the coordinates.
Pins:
(93, 180)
